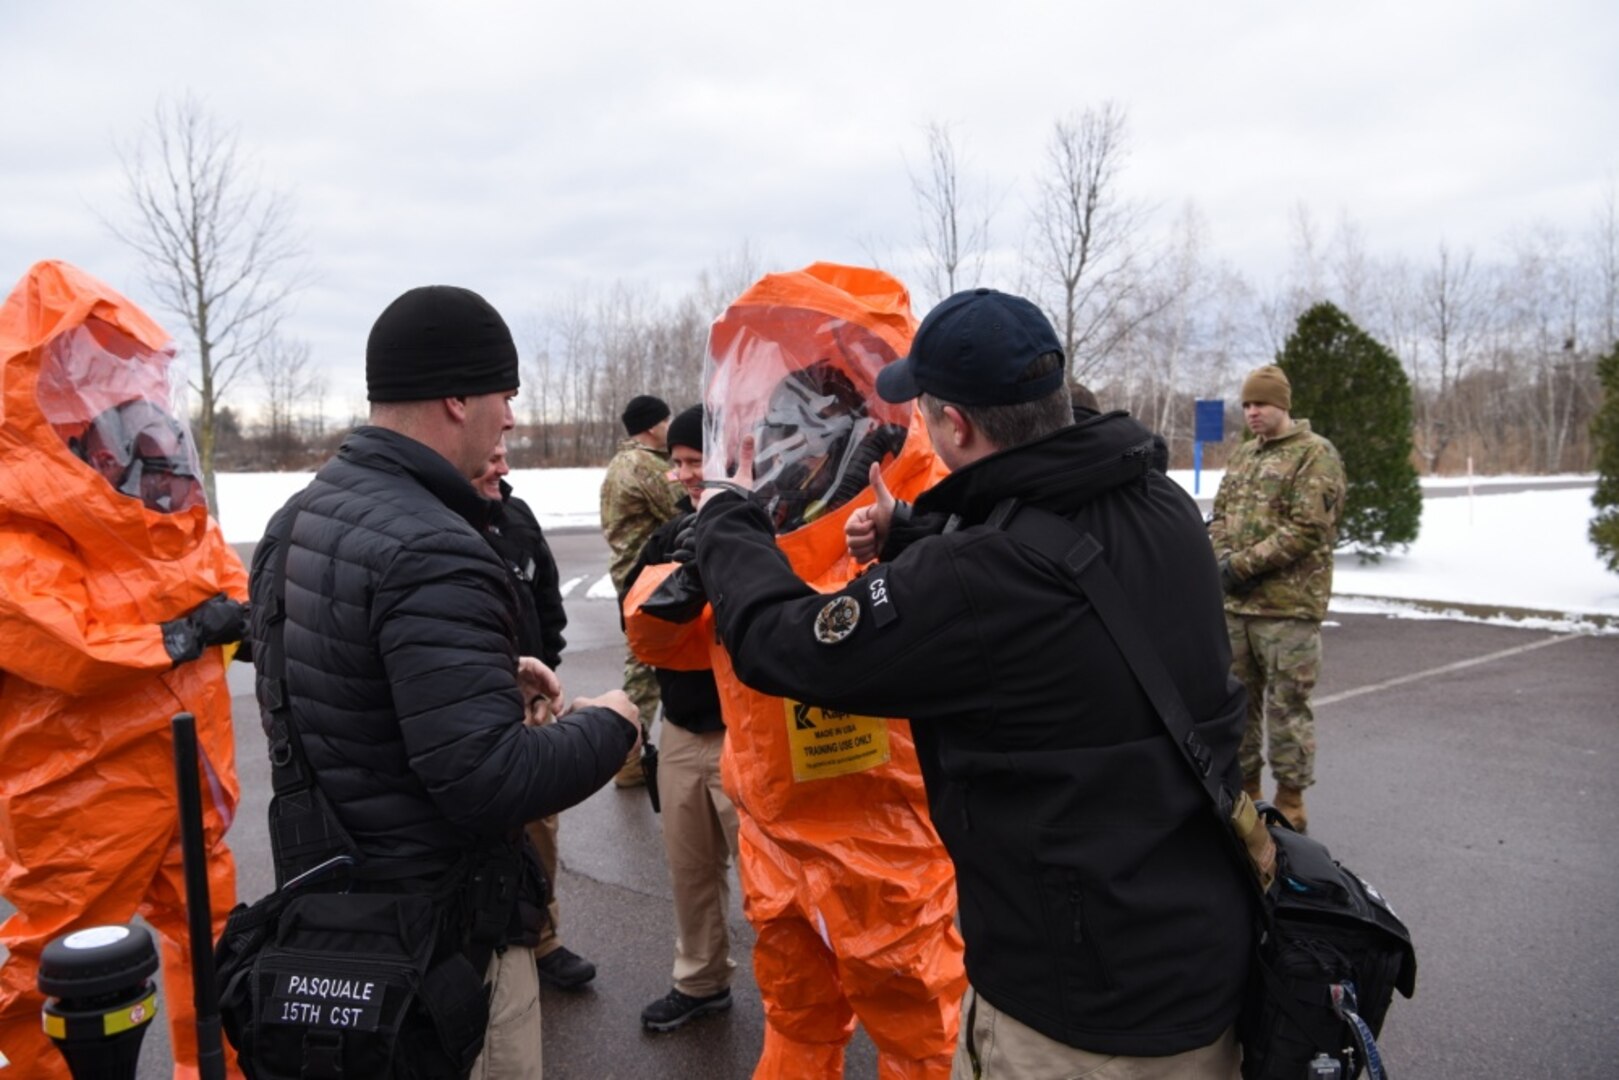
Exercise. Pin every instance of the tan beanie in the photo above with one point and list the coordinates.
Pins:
(1268, 386)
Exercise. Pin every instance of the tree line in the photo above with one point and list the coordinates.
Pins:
(1499, 348)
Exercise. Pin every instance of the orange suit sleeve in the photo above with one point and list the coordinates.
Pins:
(50, 633)
(658, 642)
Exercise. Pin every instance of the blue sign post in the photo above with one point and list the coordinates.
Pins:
(1209, 427)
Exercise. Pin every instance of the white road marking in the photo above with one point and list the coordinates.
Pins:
(1333, 699)
(603, 589)
(569, 585)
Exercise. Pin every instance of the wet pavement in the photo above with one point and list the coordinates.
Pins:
(1464, 769)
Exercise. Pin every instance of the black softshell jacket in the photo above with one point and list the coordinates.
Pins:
(401, 661)
(1099, 902)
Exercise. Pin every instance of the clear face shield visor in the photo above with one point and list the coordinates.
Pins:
(815, 446)
(143, 453)
(107, 396)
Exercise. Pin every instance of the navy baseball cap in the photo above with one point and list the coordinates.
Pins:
(973, 350)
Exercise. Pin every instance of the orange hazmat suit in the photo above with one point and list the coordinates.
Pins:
(89, 821)
(844, 879)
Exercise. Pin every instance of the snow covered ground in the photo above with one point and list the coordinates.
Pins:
(1520, 550)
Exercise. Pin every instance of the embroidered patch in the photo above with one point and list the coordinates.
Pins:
(837, 620)
(882, 603)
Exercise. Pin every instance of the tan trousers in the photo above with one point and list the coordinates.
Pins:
(511, 1046)
(699, 836)
(543, 835)
(1010, 1050)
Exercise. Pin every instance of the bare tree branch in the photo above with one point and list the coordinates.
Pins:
(220, 251)
(953, 228)
(1089, 240)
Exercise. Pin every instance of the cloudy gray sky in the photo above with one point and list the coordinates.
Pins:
(530, 149)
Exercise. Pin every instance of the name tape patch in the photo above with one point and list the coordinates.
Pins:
(882, 601)
(325, 1001)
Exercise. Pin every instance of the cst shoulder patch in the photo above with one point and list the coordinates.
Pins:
(837, 620)
(882, 602)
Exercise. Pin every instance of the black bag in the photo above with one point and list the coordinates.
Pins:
(1332, 956)
(345, 985)
(1331, 951)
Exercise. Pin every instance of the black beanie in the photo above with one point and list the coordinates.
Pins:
(439, 341)
(687, 429)
(643, 412)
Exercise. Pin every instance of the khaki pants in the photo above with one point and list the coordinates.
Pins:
(1009, 1050)
(699, 836)
(511, 1046)
(543, 835)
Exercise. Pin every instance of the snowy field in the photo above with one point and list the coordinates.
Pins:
(1523, 550)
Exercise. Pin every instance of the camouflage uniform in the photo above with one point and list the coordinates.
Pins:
(1276, 520)
(636, 497)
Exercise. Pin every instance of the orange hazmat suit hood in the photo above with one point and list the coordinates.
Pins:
(93, 444)
(793, 363)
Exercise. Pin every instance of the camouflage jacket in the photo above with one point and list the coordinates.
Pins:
(1276, 518)
(636, 497)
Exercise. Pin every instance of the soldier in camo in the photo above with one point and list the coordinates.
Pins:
(1274, 526)
(636, 497)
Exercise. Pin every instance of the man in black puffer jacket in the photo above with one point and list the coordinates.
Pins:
(400, 623)
(1105, 914)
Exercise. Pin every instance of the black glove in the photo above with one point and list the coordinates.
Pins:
(684, 549)
(218, 620)
(681, 596)
(1230, 582)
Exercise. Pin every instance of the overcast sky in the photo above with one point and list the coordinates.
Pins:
(526, 150)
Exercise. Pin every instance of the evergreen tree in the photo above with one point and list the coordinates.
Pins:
(1605, 434)
(1353, 391)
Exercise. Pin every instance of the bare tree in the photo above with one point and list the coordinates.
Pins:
(220, 250)
(1543, 300)
(1604, 245)
(953, 227)
(288, 379)
(1088, 239)
(1453, 314)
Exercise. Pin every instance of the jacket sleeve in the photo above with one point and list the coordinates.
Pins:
(1219, 537)
(913, 647)
(1309, 524)
(447, 648)
(548, 600)
(658, 493)
(49, 633)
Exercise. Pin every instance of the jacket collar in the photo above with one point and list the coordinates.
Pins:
(389, 451)
(1060, 472)
(1300, 427)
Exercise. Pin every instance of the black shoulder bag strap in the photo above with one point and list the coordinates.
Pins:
(306, 838)
(1067, 545)
(1077, 551)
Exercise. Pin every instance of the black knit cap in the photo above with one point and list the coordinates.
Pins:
(439, 341)
(643, 412)
(687, 429)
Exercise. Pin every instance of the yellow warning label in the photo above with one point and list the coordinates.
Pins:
(824, 742)
(132, 1017)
